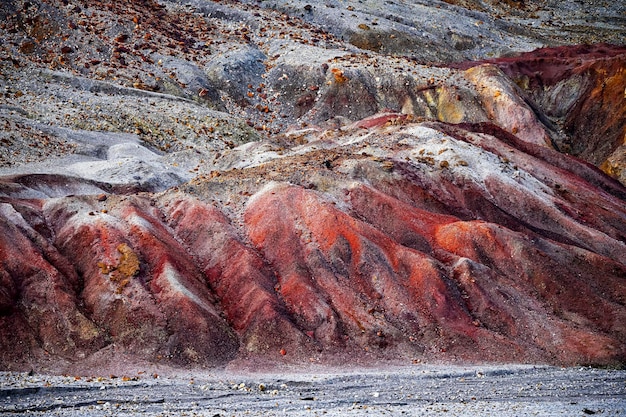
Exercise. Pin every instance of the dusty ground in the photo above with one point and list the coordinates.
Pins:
(420, 390)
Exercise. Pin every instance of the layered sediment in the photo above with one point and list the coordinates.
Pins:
(215, 183)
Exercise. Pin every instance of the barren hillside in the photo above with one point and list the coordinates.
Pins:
(204, 183)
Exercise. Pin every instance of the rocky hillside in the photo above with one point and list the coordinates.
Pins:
(210, 183)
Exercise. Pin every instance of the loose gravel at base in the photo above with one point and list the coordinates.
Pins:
(422, 390)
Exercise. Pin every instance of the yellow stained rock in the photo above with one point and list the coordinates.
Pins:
(449, 108)
(129, 262)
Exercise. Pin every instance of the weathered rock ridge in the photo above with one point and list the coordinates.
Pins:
(212, 183)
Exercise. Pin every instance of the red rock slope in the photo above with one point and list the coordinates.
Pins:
(229, 184)
(457, 243)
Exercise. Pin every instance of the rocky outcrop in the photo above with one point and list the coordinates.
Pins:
(579, 90)
(438, 248)
(228, 183)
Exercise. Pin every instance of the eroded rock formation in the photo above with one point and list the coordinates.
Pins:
(225, 183)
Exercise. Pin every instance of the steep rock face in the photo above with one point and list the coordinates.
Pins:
(231, 183)
(580, 90)
(504, 105)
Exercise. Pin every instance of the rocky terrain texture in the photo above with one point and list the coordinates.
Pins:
(467, 391)
(216, 183)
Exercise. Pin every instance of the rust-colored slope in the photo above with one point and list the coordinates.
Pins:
(40, 307)
(345, 271)
(460, 242)
(511, 284)
(158, 308)
(242, 282)
(345, 281)
(340, 206)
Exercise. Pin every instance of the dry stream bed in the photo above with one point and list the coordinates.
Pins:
(420, 390)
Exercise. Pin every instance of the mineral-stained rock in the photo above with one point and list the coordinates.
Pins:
(241, 280)
(224, 183)
(344, 280)
(580, 89)
(389, 259)
(164, 309)
(505, 106)
(41, 310)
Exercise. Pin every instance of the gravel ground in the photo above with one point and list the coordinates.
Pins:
(421, 390)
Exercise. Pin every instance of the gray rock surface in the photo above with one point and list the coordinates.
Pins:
(507, 391)
(461, 30)
(190, 105)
